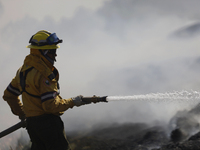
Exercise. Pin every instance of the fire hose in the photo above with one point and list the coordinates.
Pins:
(22, 123)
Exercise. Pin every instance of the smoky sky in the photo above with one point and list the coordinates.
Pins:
(1, 9)
(150, 78)
(133, 9)
(114, 17)
(189, 31)
(118, 13)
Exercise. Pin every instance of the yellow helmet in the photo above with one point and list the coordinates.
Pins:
(44, 40)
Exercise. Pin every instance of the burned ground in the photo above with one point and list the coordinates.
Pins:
(129, 136)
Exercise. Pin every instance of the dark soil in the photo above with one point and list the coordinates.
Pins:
(132, 137)
(119, 137)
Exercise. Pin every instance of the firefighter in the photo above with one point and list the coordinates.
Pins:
(42, 105)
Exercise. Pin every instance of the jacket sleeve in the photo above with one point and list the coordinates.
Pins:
(11, 96)
(52, 102)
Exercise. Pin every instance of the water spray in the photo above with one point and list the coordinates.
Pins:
(176, 96)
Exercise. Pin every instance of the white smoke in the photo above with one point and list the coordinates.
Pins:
(124, 48)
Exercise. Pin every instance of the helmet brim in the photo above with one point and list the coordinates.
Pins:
(43, 47)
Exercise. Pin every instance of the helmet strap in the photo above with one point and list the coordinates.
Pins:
(44, 53)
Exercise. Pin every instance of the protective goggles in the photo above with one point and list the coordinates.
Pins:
(52, 39)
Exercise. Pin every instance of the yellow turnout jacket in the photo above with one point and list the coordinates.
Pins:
(37, 82)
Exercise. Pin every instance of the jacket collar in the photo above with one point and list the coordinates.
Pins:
(36, 60)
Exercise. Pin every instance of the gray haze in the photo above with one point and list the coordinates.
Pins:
(120, 48)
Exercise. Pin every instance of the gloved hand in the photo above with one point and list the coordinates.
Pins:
(21, 115)
(78, 101)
